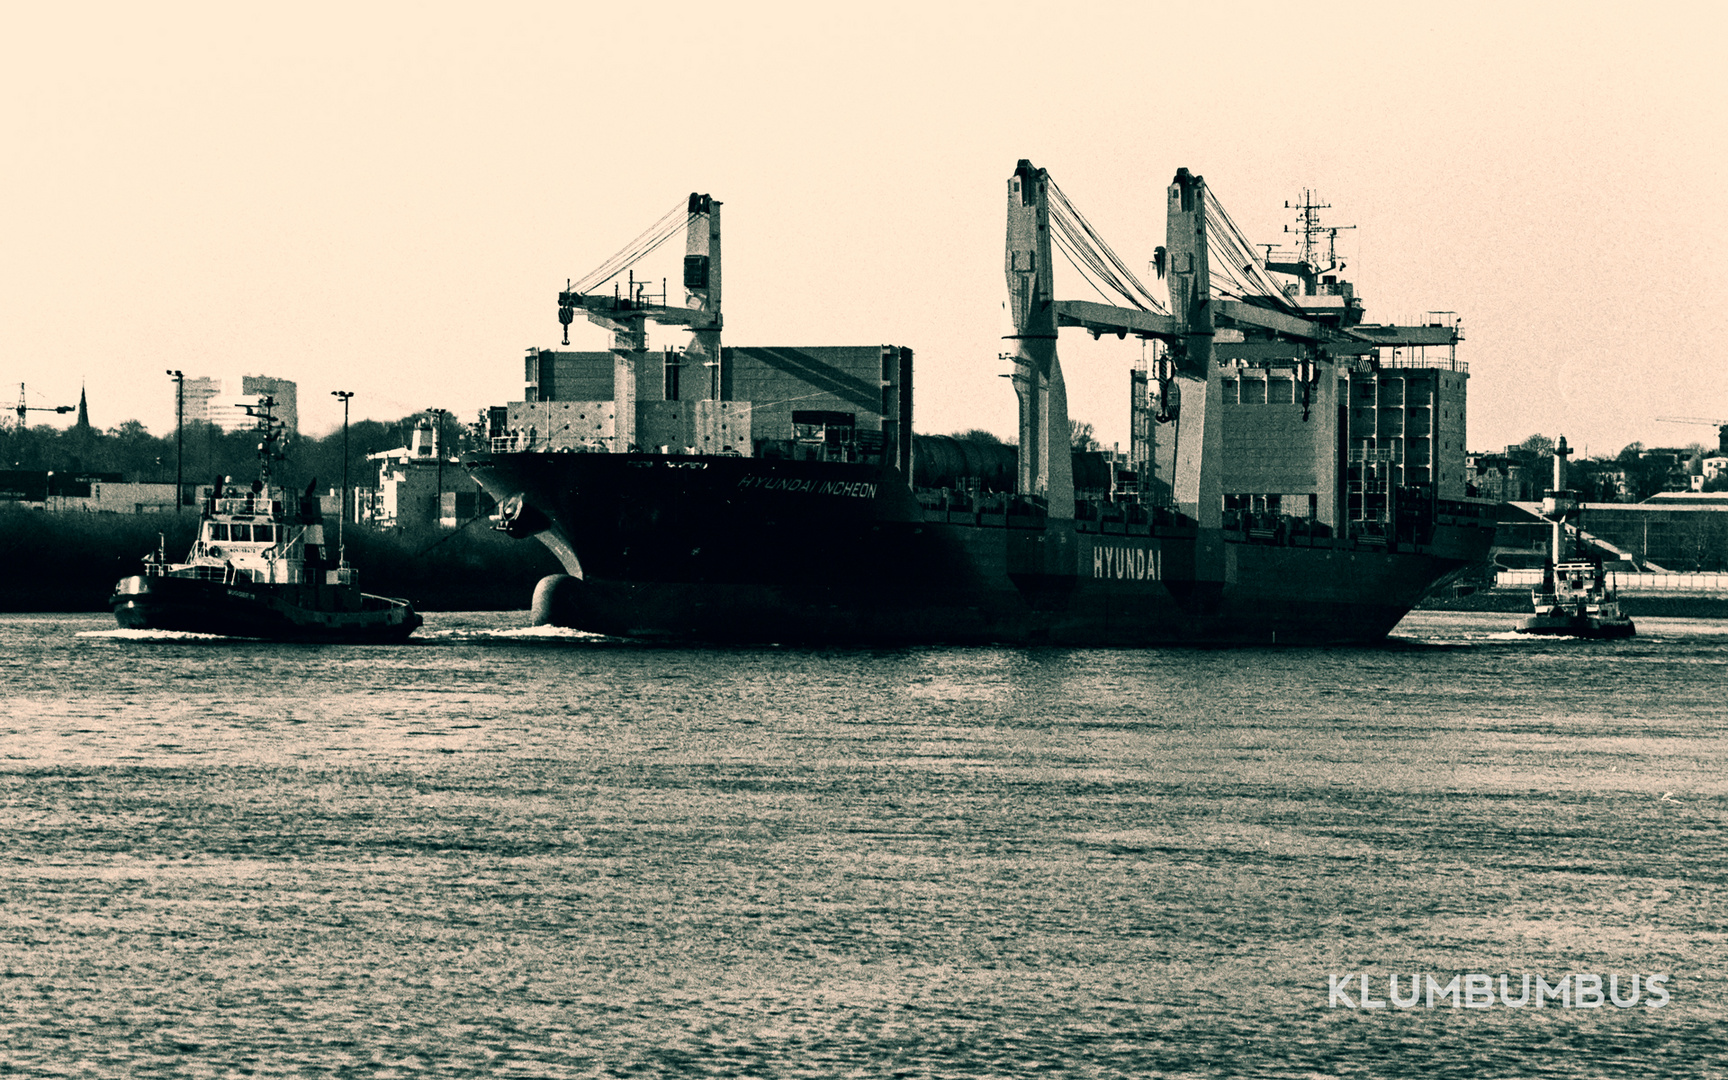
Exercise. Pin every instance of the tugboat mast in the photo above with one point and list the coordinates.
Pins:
(269, 434)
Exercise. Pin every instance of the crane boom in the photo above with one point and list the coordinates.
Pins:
(1721, 427)
(21, 408)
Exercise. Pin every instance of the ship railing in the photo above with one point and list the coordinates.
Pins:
(524, 443)
(196, 573)
(1271, 527)
(248, 505)
(1441, 363)
(1380, 455)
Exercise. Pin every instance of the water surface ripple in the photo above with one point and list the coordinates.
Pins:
(504, 852)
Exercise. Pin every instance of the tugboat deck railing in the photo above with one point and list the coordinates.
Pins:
(250, 505)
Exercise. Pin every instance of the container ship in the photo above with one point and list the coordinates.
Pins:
(1295, 475)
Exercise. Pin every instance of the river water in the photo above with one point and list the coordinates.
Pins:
(506, 852)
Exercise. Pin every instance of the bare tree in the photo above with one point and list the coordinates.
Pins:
(1540, 445)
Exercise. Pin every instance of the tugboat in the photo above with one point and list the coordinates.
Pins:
(1574, 599)
(259, 568)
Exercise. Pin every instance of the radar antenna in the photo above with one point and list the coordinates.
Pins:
(270, 431)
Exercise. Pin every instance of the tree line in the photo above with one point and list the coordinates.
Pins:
(206, 451)
(1642, 472)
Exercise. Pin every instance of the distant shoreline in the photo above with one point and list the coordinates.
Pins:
(1663, 605)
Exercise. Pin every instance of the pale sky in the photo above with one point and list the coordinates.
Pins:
(387, 198)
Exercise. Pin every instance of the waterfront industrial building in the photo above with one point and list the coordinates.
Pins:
(418, 485)
(87, 492)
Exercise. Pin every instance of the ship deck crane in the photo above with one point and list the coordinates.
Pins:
(1224, 305)
(627, 314)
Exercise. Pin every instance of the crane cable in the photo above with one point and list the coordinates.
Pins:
(1090, 267)
(1084, 245)
(1094, 258)
(1229, 261)
(669, 225)
(1243, 267)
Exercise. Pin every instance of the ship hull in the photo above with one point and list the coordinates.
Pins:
(274, 612)
(750, 550)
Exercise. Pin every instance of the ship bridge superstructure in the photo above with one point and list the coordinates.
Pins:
(258, 533)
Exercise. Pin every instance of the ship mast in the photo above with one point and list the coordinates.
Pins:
(269, 431)
(1309, 230)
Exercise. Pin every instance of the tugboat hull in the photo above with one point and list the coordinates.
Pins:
(1579, 626)
(245, 609)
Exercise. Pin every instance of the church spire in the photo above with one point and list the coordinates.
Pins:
(83, 410)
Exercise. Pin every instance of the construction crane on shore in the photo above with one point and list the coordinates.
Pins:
(23, 407)
(1720, 425)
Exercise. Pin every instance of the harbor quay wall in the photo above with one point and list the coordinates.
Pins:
(71, 561)
(1703, 583)
(1650, 603)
